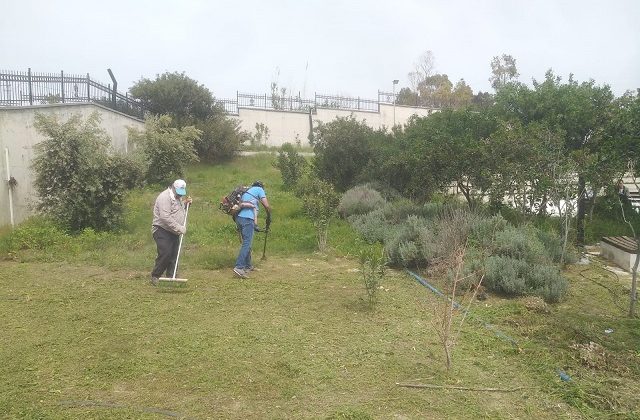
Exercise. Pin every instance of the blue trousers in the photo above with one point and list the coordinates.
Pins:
(245, 227)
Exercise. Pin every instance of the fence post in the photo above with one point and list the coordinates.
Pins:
(88, 88)
(62, 84)
(30, 88)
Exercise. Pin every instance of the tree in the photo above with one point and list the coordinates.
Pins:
(435, 91)
(503, 71)
(189, 103)
(342, 151)
(482, 100)
(580, 110)
(177, 95)
(428, 145)
(624, 136)
(423, 68)
(462, 95)
(81, 182)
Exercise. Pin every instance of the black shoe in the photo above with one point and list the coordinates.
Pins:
(154, 281)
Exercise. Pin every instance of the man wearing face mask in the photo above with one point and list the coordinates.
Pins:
(167, 226)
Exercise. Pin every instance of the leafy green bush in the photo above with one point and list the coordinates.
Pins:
(359, 200)
(167, 149)
(343, 150)
(292, 166)
(80, 181)
(320, 202)
(220, 138)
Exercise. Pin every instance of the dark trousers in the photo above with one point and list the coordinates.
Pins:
(167, 244)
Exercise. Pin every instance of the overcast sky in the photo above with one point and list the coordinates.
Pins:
(321, 46)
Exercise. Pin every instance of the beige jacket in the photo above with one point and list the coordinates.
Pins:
(168, 213)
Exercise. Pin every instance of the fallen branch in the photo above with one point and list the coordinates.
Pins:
(461, 388)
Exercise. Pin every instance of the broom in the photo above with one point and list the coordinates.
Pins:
(173, 281)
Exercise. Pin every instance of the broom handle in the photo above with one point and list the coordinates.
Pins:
(175, 268)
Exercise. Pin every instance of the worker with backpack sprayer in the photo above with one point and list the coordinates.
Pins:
(245, 221)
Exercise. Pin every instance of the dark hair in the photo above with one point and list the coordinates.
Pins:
(257, 184)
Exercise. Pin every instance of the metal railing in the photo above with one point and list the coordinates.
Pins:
(29, 88)
(298, 104)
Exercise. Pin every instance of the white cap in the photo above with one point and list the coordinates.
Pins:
(180, 186)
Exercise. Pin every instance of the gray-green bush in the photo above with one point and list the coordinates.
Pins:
(515, 277)
(359, 200)
(371, 226)
(506, 275)
(522, 244)
(483, 232)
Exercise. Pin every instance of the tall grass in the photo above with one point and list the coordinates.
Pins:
(211, 241)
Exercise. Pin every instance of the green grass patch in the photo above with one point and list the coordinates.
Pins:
(86, 336)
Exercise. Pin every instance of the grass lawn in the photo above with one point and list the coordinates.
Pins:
(84, 335)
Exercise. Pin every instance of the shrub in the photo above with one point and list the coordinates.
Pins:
(371, 226)
(320, 202)
(453, 226)
(372, 265)
(546, 281)
(484, 231)
(220, 138)
(521, 244)
(506, 275)
(80, 182)
(359, 200)
(552, 243)
(473, 269)
(515, 277)
(399, 210)
(403, 243)
(292, 166)
(167, 149)
(387, 192)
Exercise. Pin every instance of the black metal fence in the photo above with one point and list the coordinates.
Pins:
(298, 104)
(29, 88)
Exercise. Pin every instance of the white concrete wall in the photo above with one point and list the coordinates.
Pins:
(283, 126)
(623, 259)
(18, 136)
(289, 127)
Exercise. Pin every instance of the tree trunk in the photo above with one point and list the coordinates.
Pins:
(581, 211)
(634, 275)
(466, 192)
